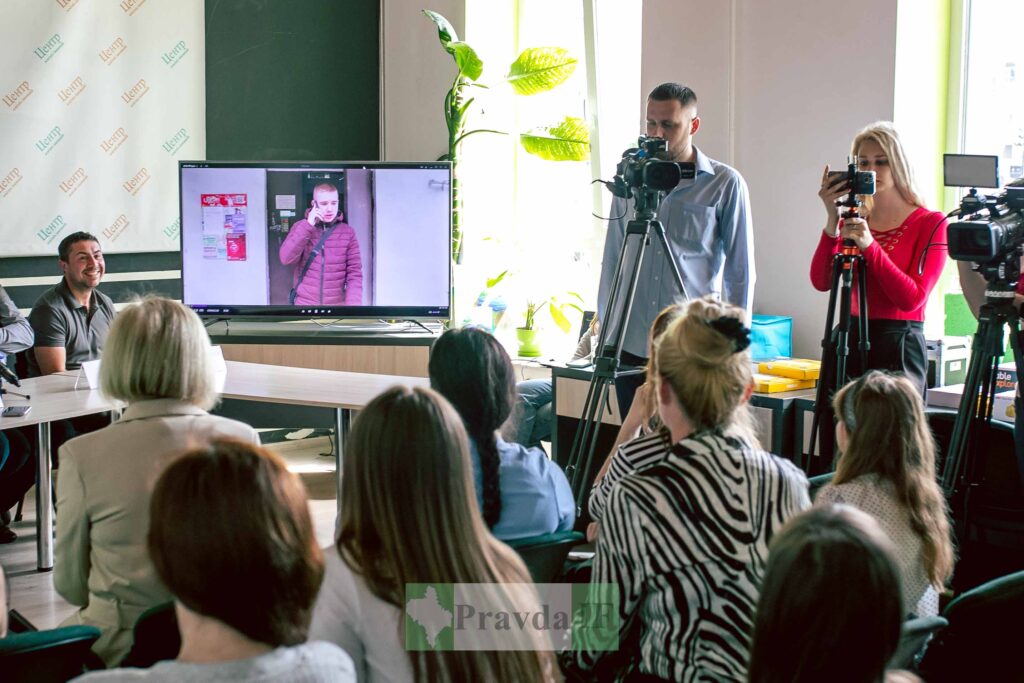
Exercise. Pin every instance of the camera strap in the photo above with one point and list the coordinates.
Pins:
(309, 262)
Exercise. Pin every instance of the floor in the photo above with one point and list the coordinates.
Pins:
(32, 593)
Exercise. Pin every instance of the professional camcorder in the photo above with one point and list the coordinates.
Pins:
(644, 167)
(993, 230)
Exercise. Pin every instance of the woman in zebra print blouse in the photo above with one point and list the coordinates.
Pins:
(686, 538)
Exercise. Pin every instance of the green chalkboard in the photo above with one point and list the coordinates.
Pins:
(292, 79)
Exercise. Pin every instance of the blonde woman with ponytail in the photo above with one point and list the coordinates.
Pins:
(686, 538)
(887, 469)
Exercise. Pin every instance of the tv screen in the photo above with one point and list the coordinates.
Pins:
(316, 239)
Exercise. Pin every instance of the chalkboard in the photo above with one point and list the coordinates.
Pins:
(292, 80)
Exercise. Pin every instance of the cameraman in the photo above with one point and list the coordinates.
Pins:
(892, 246)
(707, 224)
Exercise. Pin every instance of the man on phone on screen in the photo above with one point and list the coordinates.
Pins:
(325, 252)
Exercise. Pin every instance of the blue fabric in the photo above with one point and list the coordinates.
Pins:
(709, 231)
(5, 450)
(771, 337)
(535, 494)
(533, 412)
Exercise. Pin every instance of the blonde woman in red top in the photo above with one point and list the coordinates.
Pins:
(903, 244)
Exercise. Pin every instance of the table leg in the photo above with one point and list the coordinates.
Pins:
(342, 420)
(44, 501)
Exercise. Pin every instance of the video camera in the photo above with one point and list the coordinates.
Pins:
(644, 168)
(991, 230)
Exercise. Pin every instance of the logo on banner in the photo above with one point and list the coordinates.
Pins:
(176, 142)
(8, 182)
(135, 93)
(172, 58)
(52, 139)
(77, 179)
(130, 7)
(110, 54)
(116, 228)
(16, 97)
(135, 183)
(67, 4)
(67, 95)
(173, 229)
(51, 231)
(47, 50)
(114, 142)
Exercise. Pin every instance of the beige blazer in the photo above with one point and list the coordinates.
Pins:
(106, 478)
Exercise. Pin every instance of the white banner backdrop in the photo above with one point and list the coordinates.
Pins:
(98, 101)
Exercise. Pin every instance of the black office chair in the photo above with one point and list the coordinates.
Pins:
(545, 555)
(57, 655)
(155, 637)
(914, 635)
(982, 641)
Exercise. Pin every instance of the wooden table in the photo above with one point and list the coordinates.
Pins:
(55, 397)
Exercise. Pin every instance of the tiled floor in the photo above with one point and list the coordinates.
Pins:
(32, 592)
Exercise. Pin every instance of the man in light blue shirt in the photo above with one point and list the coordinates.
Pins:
(707, 225)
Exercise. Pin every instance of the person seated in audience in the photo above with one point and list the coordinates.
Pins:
(641, 436)
(830, 606)
(686, 538)
(17, 466)
(887, 469)
(157, 361)
(408, 516)
(521, 492)
(231, 537)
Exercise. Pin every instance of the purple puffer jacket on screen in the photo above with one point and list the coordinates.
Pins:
(335, 277)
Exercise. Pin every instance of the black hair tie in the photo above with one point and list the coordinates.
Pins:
(733, 329)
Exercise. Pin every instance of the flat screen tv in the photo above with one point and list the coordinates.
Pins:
(316, 239)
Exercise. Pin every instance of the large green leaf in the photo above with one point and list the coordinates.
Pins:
(568, 141)
(539, 69)
(470, 65)
(445, 31)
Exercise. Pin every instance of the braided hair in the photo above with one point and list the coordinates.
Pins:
(471, 369)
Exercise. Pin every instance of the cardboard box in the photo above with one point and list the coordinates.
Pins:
(794, 368)
(1003, 407)
(949, 397)
(1006, 377)
(770, 384)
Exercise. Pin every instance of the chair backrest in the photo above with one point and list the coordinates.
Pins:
(819, 482)
(545, 555)
(914, 634)
(983, 639)
(155, 637)
(43, 656)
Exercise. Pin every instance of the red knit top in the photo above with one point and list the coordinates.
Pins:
(895, 289)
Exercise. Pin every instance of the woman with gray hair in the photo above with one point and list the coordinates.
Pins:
(156, 360)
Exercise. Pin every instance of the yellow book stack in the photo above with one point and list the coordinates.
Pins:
(794, 368)
(770, 384)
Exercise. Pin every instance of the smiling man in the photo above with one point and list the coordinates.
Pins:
(71, 320)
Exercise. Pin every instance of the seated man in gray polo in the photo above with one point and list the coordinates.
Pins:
(71, 319)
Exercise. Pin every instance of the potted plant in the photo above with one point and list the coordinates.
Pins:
(527, 334)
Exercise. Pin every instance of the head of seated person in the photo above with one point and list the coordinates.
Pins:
(830, 607)
(471, 369)
(231, 537)
(409, 515)
(158, 349)
(883, 436)
(703, 372)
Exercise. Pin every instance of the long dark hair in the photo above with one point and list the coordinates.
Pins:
(471, 369)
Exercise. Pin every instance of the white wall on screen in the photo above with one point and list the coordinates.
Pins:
(214, 281)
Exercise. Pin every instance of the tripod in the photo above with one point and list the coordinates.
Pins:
(613, 331)
(964, 463)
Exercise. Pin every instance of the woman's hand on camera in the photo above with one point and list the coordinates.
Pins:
(830, 194)
(857, 229)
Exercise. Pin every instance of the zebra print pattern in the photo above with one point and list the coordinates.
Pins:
(686, 539)
(629, 457)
